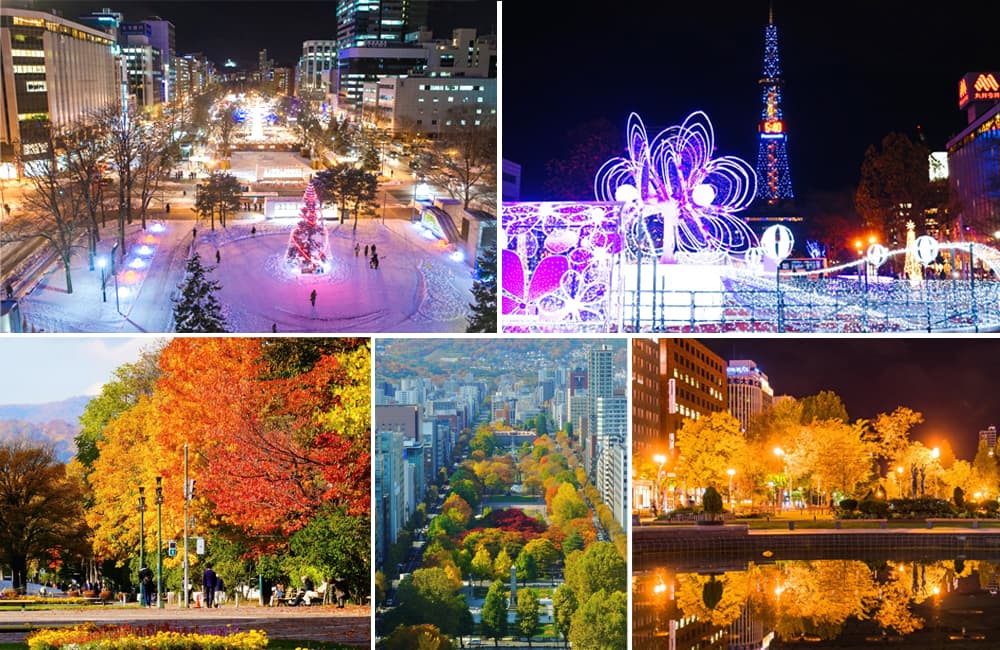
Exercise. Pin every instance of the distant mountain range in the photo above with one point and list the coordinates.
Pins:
(56, 423)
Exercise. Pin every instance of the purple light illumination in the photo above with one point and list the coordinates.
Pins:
(666, 198)
(676, 198)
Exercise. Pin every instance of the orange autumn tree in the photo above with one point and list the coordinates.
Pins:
(269, 445)
(279, 445)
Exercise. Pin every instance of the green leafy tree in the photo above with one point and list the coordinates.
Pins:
(502, 565)
(544, 552)
(892, 176)
(337, 544)
(564, 605)
(527, 567)
(198, 310)
(599, 567)
(573, 542)
(484, 292)
(528, 623)
(824, 405)
(567, 504)
(494, 616)
(601, 622)
(129, 382)
(41, 509)
(429, 596)
(482, 564)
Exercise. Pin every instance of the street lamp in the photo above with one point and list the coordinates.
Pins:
(159, 542)
(660, 460)
(142, 542)
(780, 453)
(104, 294)
(731, 472)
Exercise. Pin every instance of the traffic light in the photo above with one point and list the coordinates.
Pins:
(172, 548)
(190, 494)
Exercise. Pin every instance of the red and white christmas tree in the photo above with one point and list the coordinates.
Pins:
(308, 241)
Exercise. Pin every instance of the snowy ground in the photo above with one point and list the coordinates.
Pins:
(417, 288)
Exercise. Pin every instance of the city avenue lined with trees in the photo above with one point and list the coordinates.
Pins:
(507, 512)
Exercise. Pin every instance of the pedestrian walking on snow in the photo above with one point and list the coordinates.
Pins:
(218, 256)
(312, 298)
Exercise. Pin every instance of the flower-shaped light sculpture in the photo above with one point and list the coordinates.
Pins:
(557, 260)
(679, 202)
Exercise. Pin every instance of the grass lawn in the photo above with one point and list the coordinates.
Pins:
(513, 498)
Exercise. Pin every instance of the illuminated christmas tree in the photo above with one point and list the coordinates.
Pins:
(911, 265)
(308, 241)
(775, 181)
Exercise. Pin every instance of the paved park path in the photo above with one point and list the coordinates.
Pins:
(351, 625)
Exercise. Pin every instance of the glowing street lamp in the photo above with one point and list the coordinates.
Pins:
(731, 472)
(104, 282)
(780, 453)
(159, 542)
(142, 543)
(660, 460)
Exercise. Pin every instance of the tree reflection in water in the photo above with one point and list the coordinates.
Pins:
(808, 599)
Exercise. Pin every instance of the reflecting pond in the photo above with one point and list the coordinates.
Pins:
(837, 603)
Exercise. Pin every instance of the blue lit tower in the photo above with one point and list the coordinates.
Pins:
(774, 181)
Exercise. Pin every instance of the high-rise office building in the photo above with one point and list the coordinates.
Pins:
(318, 57)
(390, 479)
(672, 380)
(55, 72)
(750, 393)
(989, 435)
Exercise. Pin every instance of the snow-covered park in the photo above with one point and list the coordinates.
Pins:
(418, 286)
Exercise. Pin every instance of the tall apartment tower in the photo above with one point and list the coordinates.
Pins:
(750, 393)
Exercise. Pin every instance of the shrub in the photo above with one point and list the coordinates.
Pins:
(712, 502)
(874, 508)
(849, 505)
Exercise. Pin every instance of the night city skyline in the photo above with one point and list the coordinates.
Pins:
(278, 27)
(853, 73)
(948, 380)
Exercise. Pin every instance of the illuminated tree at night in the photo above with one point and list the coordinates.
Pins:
(308, 241)
(772, 154)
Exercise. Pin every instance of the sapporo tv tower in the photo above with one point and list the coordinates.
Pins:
(774, 181)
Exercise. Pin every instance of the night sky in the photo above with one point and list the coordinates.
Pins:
(951, 381)
(854, 71)
(239, 29)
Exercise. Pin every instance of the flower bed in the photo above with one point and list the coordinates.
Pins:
(161, 637)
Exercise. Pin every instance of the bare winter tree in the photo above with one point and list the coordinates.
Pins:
(56, 209)
(463, 160)
(125, 135)
(86, 149)
(157, 153)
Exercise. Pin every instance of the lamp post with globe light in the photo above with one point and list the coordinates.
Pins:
(731, 473)
(780, 453)
(658, 504)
